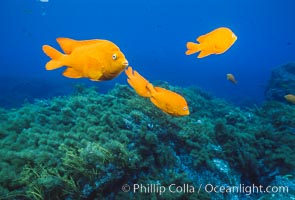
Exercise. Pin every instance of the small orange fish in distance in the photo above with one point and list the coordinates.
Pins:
(168, 101)
(290, 98)
(137, 82)
(231, 78)
(96, 59)
(215, 42)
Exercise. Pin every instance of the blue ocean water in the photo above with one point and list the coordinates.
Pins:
(85, 145)
(152, 34)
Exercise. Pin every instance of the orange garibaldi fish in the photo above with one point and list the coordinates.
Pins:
(215, 42)
(166, 100)
(290, 98)
(95, 59)
(231, 78)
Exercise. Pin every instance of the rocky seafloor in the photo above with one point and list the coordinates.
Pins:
(89, 145)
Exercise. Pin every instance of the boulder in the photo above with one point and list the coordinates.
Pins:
(281, 83)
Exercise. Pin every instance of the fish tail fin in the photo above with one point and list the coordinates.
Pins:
(129, 72)
(137, 82)
(130, 79)
(192, 48)
(55, 55)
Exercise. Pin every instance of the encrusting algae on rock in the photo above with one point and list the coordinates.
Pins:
(88, 145)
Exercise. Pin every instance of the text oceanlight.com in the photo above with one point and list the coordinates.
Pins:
(208, 188)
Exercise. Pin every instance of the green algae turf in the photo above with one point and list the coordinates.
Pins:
(52, 149)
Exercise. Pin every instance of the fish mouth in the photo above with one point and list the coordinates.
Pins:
(125, 63)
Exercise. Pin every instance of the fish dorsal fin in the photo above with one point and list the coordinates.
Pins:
(159, 89)
(72, 73)
(201, 38)
(68, 45)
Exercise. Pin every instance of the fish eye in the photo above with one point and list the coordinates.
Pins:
(184, 108)
(114, 56)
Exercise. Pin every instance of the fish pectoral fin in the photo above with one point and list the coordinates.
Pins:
(218, 47)
(94, 69)
(162, 107)
(93, 63)
(72, 73)
(95, 75)
(203, 54)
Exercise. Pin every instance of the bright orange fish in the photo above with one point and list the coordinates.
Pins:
(137, 82)
(231, 78)
(96, 59)
(290, 98)
(215, 42)
(168, 101)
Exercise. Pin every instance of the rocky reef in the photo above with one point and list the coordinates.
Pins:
(93, 146)
(281, 83)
